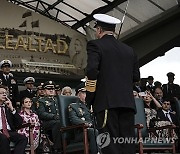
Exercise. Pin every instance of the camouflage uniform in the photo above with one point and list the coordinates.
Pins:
(79, 114)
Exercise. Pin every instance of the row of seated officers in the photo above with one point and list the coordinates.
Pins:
(9, 80)
(44, 104)
(45, 109)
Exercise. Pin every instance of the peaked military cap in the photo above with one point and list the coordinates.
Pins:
(105, 21)
(4, 63)
(57, 87)
(49, 84)
(40, 87)
(80, 87)
(29, 80)
(170, 74)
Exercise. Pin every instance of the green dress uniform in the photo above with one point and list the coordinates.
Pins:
(34, 103)
(48, 111)
(79, 114)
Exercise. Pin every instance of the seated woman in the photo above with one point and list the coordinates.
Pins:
(150, 107)
(30, 117)
(67, 91)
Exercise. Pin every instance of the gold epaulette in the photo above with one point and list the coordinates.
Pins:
(90, 85)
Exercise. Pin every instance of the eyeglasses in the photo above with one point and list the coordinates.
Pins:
(2, 93)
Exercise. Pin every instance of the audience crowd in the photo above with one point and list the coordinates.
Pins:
(40, 107)
(160, 104)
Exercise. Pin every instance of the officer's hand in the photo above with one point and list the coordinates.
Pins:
(8, 103)
(88, 124)
(18, 103)
(56, 117)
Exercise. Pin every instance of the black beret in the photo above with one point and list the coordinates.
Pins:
(150, 78)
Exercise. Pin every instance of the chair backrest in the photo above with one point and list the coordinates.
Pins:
(140, 117)
(64, 102)
(178, 110)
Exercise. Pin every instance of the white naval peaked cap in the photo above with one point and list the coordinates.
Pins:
(106, 19)
(5, 62)
(29, 80)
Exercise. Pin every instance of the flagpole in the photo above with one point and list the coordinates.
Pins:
(122, 22)
(26, 30)
(39, 30)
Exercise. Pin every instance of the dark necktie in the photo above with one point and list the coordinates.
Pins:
(167, 116)
(4, 124)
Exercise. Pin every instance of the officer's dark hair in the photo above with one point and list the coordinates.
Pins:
(107, 28)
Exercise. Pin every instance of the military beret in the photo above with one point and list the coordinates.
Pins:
(80, 87)
(150, 78)
(170, 74)
(4, 63)
(29, 80)
(49, 84)
(105, 21)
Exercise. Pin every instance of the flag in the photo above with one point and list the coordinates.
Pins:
(27, 14)
(35, 23)
(23, 24)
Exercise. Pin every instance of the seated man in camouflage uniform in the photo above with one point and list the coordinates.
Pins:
(47, 108)
(78, 114)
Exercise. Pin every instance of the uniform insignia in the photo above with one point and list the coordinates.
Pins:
(69, 108)
(81, 111)
(47, 103)
(83, 118)
(10, 74)
(90, 85)
(13, 81)
(37, 104)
